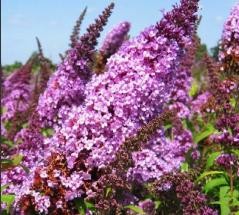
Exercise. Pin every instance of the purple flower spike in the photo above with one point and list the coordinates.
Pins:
(114, 39)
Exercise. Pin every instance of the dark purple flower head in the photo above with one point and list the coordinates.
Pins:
(88, 41)
(75, 34)
(226, 160)
(148, 206)
(16, 99)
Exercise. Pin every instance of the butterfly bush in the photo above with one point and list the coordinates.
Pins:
(230, 36)
(32, 146)
(136, 85)
(227, 123)
(138, 82)
(15, 97)
(67, 85)
(115, 130)
(114, 39)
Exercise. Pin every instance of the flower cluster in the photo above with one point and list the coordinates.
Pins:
(15, 99)
(66, 87)
(226, 160)
(113, 41)
(229, 54)
(182, 187)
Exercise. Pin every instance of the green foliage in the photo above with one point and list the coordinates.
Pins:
(135, 209)
(214, 183)
(14, 161)
(82, 205)
(194, 89)
(206, 132)
(201, 51)
(10, 68)
(184, 167)
(227, 200)
(48, 132)
(215, 51)
(8, 199)
(211, 159)
(208, 173)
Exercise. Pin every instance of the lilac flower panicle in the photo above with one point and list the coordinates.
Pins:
(114, 39)
(66, 87)
(200, 101)
(226, 160)
(148, 206)
(118, 103)
(230, 33)
(75, 34)
(16, 95)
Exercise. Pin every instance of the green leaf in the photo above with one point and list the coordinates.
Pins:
(208, 130)
(216, 182)
(48, 132)
(236, 152)
(80, 205)
(194, 89)
(187, 124)
(235, 203)
(3, 109)
(7, 125)
(184, 167)
(17, 159)
(157, 204)
(235, 198)
(237, 213)
(8, 199)
(25, 125)
(166, 127)
(108, 190)
(6, 161)
(4, 187)
(25, 169)
(205, 174)
(90, 206)
(4, 212)
(211, 159)
(224, 200)
(224, 191)
(135, 209)
(9, 143)
(233, 102)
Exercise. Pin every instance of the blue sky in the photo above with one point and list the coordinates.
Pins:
(52, 21)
